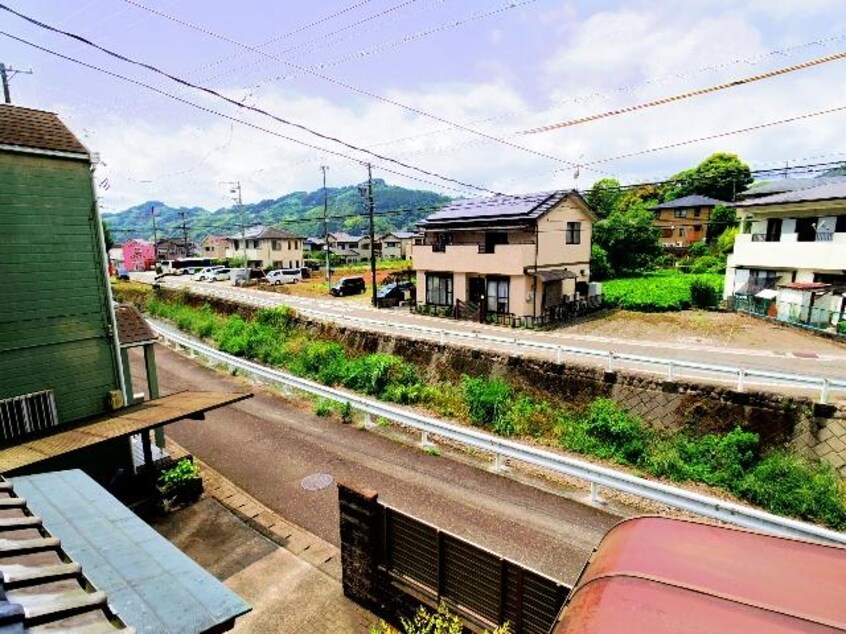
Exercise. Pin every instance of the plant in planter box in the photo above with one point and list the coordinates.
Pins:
(181, 484)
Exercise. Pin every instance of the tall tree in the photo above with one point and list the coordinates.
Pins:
(604, 196)
(107, 236)
(629, 239)
(721, 176)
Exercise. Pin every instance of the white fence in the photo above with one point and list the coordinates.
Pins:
(597, 476)
(673, 369)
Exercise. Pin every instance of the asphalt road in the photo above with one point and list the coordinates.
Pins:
(818, 359)
(267, 445)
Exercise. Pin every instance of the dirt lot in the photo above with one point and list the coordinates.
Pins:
(317, 286)
(703, 327)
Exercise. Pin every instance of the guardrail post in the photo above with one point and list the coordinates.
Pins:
(499, 465)
(610, 366)
(741, 379)
(425, 443)
(671, 371)
(595, 499)
(368, 421)
(826, 385)
(559, 355)
(516, 346)
(443, 337)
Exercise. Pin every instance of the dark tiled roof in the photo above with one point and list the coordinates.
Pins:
(131, 327)
(36, 129)
(831, 190)
(694, 200)
(402, 235)
(151, 585)
(340, 236)
(782, 185)
(498, 208)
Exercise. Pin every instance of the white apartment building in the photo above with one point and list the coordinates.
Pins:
(789, 261)
(267, 247)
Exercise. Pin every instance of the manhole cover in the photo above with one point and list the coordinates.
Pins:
(316, 481)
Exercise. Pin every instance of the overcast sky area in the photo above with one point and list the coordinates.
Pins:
(495, 67)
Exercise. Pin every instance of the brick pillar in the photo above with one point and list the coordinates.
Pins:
(360, 545)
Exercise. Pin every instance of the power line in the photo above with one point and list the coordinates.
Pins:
(315, 73)
(288, 34)
(718, 135)
(257, 110)
(689, 94)
(392, 44)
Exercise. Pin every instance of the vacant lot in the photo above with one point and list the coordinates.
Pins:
(706, 328)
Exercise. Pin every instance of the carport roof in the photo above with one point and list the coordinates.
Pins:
(124, 422)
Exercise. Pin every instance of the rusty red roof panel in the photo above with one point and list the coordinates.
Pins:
(37, 129)
(691, 568)
(805, 286)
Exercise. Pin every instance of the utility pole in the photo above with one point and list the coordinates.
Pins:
(185, 235)
(5, 77)
(236, 189)
(370, 206)
(155, 237)
(323, 169)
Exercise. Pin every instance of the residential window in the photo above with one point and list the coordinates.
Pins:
(840, 224)
(680, 213)
(276, 245)
(666, 233)
(235, 244)
(697, 212)
(681, 232)
(573, 234)
(439, 289)
(497, 295)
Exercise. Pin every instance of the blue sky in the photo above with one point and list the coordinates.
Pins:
(501, 70)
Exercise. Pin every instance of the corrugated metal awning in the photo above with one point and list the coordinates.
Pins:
(125, 422)
(149, 583)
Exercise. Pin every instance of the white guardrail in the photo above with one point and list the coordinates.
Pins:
(671, 368)
(597, 476)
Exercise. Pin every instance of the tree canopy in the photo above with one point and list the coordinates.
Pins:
(721, 176)
(604, 196)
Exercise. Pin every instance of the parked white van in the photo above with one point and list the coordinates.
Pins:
(284, 276)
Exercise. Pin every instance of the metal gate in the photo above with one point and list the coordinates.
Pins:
(475, 583)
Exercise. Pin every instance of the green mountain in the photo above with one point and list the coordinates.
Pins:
(396, 208)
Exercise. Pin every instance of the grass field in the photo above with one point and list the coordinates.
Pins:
(657, 292)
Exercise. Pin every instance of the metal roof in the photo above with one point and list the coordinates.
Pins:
(657, 575)
(340, 236)
(551, 275)
(38, 130)
(782, 185)
(40, 584)
(527, 207)
(265, 233)
(124, 422)
(151, 585)
(832, 189)
(694, 200)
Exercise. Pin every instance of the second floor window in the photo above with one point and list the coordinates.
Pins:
(275, 245)
(680, 213)
(235, 244)
(573, 235)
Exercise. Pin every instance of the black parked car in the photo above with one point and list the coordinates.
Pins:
(393, 294)
(348, 286)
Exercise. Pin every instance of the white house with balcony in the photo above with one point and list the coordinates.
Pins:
(514, 255)
(789, 261)
(267, 247)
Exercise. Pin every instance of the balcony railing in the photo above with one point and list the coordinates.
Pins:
(825, 236)
(759, 237)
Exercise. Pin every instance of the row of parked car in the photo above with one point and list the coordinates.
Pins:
(221, 273)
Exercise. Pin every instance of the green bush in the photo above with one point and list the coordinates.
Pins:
(232, 336)
(716, 459)
(321, 360)
(703, 294)
(697, 250)
(787, 484)
(604, 430)
(280, 319)
(526, 416)
(373, 373)
(487, 400)
(184, 471)
(323, 407)
(708, 264)
(841, 327)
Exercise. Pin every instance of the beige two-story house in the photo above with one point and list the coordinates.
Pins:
(396, 245)
(684, 221)
(267, 247)
(515, 255)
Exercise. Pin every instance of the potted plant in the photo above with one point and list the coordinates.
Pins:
(180, 485)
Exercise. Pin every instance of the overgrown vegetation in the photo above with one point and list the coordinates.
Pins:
(425, 622)
(183, 471)
(663, 291)
(778, 481)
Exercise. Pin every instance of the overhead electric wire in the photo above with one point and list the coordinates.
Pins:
(689, 94)
(317, 74)
(718, 135)
(267, 130)
(288, 34)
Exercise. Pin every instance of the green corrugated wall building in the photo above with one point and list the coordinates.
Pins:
(57, 328)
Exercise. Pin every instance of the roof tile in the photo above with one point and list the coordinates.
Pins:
(36, 129)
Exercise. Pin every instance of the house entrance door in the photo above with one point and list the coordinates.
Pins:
(476, 294)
